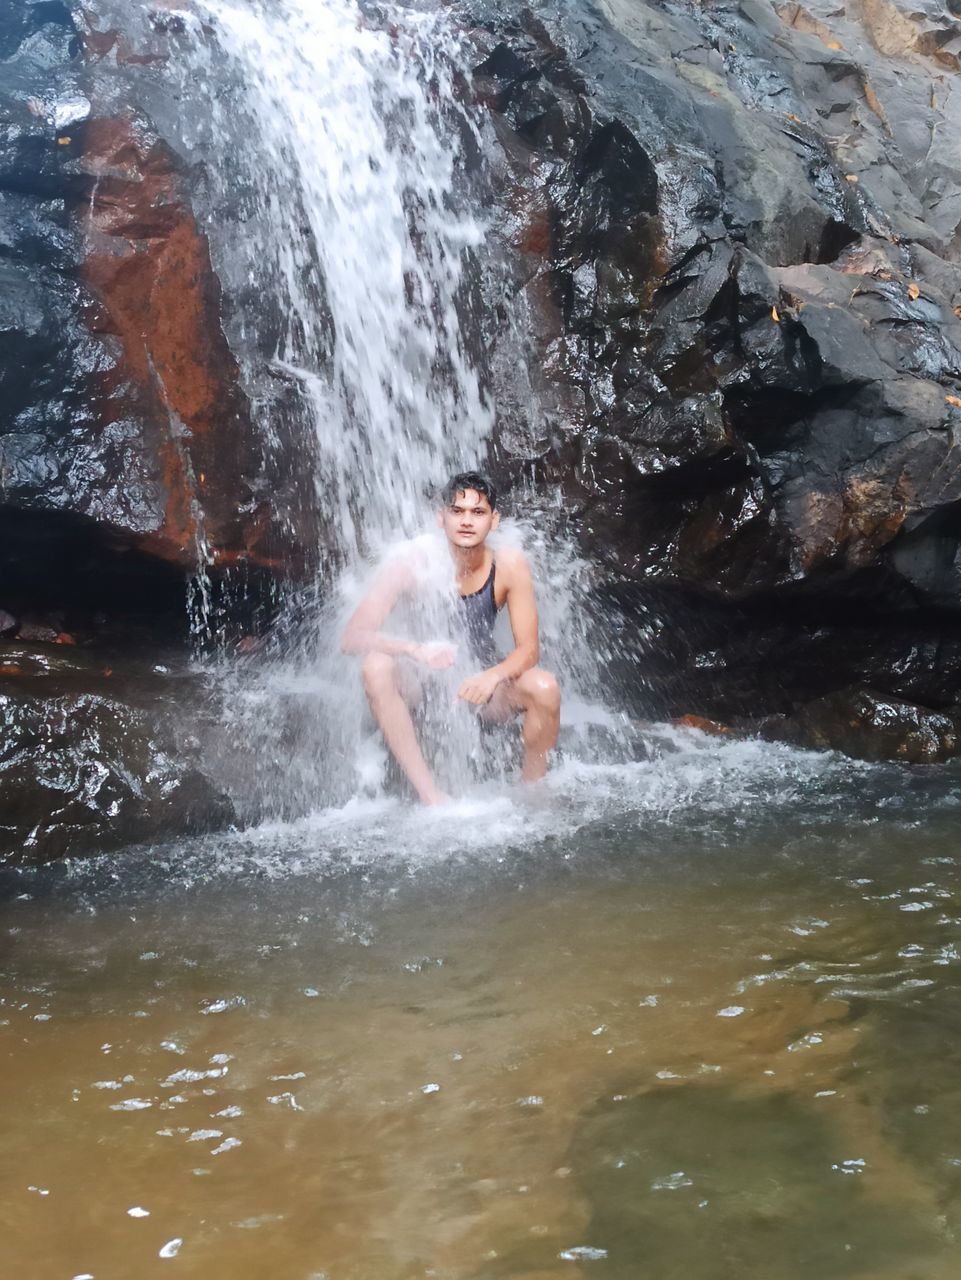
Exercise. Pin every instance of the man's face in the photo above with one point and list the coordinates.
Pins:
(467, 519)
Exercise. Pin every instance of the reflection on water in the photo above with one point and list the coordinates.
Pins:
(711, 1037)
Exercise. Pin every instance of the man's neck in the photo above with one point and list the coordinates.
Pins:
(468, 560)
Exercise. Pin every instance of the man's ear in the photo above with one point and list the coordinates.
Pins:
(496, 521)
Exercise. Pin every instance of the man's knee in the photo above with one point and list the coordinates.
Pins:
(541, 688)
(379, 673)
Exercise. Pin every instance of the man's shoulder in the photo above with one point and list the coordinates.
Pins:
(512, 564)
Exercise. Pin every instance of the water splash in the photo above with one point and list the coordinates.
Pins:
(688, 787)
(345, 173)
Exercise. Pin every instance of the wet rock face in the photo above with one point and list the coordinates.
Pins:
(870, 726)
(746, 317)
(734, 248)
(120, 400)
(94, 757)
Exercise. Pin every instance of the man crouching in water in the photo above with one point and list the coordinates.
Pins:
(500, 690)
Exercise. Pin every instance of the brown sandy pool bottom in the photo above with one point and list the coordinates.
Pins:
(718, 1051)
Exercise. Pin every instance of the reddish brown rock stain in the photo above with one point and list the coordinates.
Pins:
(150, 267)
(536, 234)
(712, 727)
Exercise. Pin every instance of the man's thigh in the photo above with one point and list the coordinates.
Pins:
(503, 706)
(409, 684)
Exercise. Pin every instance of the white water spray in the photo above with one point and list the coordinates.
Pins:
(343, 174)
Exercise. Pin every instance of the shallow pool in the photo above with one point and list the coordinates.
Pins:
(694, 1017)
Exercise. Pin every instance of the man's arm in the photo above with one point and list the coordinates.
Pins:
(363, 634)
(522, 609)
(363, 631)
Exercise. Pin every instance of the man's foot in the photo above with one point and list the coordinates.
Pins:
(436, 800)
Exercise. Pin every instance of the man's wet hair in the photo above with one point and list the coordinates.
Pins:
(465, 480)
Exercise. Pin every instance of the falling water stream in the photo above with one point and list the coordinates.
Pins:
(691, 1009)
(346, 196)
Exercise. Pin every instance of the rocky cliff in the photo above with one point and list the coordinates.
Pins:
(737, 235)
(733, 236)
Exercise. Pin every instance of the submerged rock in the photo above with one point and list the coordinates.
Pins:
(673, 1176)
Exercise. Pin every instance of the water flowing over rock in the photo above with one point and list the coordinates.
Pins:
(695, 269)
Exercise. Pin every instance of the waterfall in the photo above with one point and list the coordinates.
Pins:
(336, 148)
(342, 177)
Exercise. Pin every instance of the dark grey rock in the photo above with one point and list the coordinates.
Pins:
(870, 726)
(93, 757)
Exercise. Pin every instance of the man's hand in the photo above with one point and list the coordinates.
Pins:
(438, 657)
(479, 689)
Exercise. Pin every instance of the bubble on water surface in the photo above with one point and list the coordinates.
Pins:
(221, 1006)
(852, 1166)
(228, 1144)
(672, 1182)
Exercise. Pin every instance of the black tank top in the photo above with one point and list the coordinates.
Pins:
(479, 613)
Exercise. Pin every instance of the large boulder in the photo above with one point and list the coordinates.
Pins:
(737, 230)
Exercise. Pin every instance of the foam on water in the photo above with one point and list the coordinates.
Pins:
(689, 784)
